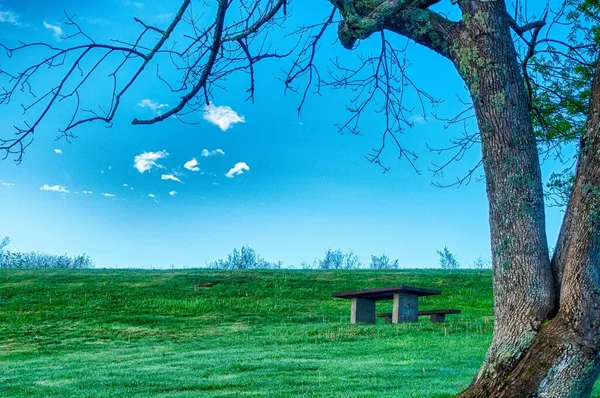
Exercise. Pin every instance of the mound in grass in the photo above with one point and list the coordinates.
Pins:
(218, 333)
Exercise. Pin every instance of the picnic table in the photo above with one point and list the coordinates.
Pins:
(405, 308)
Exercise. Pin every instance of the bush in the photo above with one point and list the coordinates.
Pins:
(3, 243)
(382, 262)
(447, 259)
(245, 258)
(336, 259)
(480, 263)
(33, 260)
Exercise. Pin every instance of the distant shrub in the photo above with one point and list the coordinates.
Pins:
(447, 259)
(245, 258)
(480, 263)
(336, 259)
(307, 265)
(33, 260)
(3, 243)
(382, 262)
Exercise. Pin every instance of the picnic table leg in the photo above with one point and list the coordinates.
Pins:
(437, 318)
(363, 311)
(406, 308)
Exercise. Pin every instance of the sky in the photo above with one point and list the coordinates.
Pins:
(256, 174)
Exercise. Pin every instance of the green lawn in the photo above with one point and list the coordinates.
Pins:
(229, 333)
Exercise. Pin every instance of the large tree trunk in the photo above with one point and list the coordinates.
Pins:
(564, 360)
(546, 330)
(547, 318)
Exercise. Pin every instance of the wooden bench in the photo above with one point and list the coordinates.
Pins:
(435, 316)
(406, 304)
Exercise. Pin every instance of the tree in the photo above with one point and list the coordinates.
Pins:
(546, 337)
(336, 259)
(3, 243)
(447, 259)
(383, 262)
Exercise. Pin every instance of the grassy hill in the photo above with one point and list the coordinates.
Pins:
(230, 333)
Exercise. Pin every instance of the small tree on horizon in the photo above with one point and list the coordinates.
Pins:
(447, 259)
(383, 262)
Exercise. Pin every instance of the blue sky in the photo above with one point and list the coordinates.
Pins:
(257, 174)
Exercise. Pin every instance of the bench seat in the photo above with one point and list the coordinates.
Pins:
(435, 316)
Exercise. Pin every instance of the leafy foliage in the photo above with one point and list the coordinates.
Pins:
(559, 81)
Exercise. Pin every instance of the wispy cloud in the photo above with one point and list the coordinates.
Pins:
(87, 192)
(418, 119)
(151, 195)
(206, 153)
(222, 116)
(169, 177)
(238, 169)
(154, 106)
(10, 17)
(97, 21)
(58, 151)
(6, 184)
(192, 165)
(54, 28)
(53, 188)
(147, 160)
(125, 185)
(163, 17)
(173, 193)
(109, 195)
(135, 4)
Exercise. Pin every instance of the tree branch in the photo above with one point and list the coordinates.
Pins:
(409, 18)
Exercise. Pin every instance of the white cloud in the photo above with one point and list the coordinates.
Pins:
(109, 195)
(54, 28)
(6, 184)
(154, 106)
(10, 17)
(173, 193)
(169, 177)
(165, 16)
(151, 195)
(215, 183)
(222, 116)
(147, 160)
(87, 192)
(238, 169)
(192, 165)
(136, 4)
(58, 151)
(125, 185)
(53, 188)
(110, 168)
(206, 153)
(418, 119)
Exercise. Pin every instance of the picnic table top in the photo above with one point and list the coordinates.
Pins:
(386, 293)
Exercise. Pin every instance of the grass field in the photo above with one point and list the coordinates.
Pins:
(230, 333)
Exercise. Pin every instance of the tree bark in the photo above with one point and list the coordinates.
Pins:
(564, 360)
(547, 318)
(485, 56)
